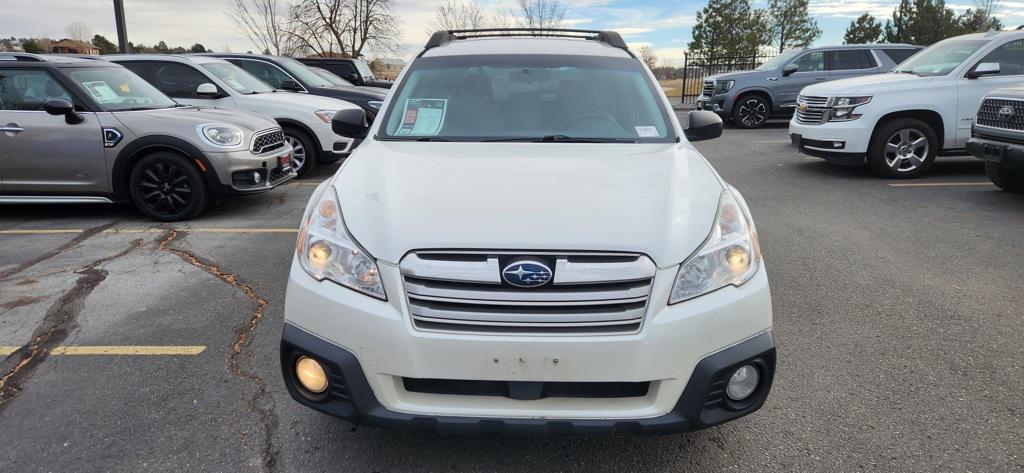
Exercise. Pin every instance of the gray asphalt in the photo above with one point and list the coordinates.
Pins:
(898, 314)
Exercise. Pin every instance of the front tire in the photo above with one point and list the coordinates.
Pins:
(168, 187)
(303, 151)
(750, 111)
(902, 149)
(1007, 179)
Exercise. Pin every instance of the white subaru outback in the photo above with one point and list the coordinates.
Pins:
(527, 242)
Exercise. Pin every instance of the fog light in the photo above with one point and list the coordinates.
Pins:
(742, 383)
(256, 177)
(311, 375)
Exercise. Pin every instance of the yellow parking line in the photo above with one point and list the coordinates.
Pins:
(145, 350)
(51, 231)
(940, 184)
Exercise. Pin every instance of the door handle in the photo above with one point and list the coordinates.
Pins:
(11, 129)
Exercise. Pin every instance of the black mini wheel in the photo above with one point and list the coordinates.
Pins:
(168, 187)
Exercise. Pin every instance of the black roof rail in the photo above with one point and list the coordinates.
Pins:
(610, 38)
(19, 56)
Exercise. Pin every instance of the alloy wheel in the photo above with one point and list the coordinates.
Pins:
(165, 188)
(298, 152)
(906, 149)
(753, 112)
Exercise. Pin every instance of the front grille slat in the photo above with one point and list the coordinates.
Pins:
(709, 88)
(598, 293)
(989, 114)
(267, 141)
(815, 112)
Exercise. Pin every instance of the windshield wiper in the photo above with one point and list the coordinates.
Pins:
(908, 72)
(560, 139)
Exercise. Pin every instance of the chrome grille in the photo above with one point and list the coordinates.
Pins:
(266, 141)
(811, 110)
(992, 113)
(590, 293)
(709, 88)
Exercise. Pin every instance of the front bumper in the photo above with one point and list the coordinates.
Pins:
(998, 152)
(720, 104)
(237, 170)
(682, 350)
(843, 143)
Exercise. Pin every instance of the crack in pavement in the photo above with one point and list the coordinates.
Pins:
(87, 234)
(59, 321)
(262, 401)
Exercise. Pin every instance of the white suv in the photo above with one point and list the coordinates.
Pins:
(902, 120)
(526, 242)
(212, 82)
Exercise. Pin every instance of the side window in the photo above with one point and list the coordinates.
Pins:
(266, 72)
(1010, 57)
(140, 69)
(811, 62)
(27, 89)
(847, 59)
(177, 80)
(899, 55)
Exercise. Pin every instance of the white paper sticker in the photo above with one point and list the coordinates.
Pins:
(646, 131)
(422, 117)
(101, 91)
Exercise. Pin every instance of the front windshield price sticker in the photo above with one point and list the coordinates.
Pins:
(646, 131)
(422, 117)
(101, 91)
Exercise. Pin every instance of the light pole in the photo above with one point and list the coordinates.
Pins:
(122, 33)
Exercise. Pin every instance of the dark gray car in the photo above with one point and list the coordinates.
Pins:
(749, 98)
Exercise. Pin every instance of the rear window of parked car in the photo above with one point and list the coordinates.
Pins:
(899, 55)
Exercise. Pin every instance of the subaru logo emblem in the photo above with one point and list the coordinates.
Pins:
(526, 273)
(1006, 112)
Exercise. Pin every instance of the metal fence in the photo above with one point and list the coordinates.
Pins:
(698, 66)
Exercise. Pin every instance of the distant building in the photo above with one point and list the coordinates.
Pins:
(386, 68)
(71, 46)
(11, 46)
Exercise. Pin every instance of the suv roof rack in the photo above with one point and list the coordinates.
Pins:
(28, 57)
(610, 38)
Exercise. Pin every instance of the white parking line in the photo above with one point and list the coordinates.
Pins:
(940, 184)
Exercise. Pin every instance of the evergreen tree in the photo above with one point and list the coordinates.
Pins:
(896, 29)
(104, 45)
(197, 48)
(729, 28)
(865, 29)
(978, 21)
(789, 24)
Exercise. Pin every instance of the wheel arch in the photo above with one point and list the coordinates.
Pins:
(291, 123)
(930, 117)
(142, 147)
(764, 93)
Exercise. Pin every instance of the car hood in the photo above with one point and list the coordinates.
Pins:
(655, 199)
(873, 84)
(739, 75)
(1009, 92)
(182, 121)
(300, 102)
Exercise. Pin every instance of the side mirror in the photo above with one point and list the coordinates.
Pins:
(789, 69)
(984, 69)
(351, 123)
(291, 85)
(353, 78)
(704, 125)
(208, 90)
(63, 107)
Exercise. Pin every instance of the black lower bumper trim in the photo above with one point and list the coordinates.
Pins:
(808, 147)
(703, 402)
(999, 152)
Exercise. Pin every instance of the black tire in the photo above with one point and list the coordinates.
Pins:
(751, 111)
(168, 187)
(898, 152)
(304, 150)
(1007, 179)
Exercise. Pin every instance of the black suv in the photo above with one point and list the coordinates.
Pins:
(356, 71)
(285, 73)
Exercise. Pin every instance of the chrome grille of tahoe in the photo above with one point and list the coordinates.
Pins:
(815, 112)
(989, 114)
(269, 140)
(589, 293)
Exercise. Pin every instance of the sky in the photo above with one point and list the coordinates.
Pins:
(663, 25)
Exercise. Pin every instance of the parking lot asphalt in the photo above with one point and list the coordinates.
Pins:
(898, 313)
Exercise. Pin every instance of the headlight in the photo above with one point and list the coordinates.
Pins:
(723, 86)
(327, 251)
(730, 256)
(325, 115)
(227, 136)
(843, 108)
(375, 104)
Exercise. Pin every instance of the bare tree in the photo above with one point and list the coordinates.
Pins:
(648, 56)
(264, 22)
(459, 15)
(78, 31)
(347, 27)
(540, 14)
(990, 7)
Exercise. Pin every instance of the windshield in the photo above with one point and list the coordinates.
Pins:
(118, 89)
(777, 61)
(303, 72)
(364, 70)
(236, 78)
(331, 77)
(527, 98)
(941, 58)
